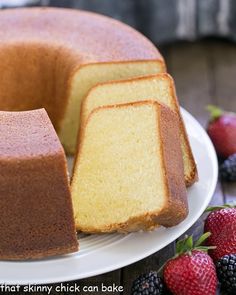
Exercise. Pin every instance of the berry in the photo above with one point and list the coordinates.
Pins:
(221, 223)
(148, 284)
(219, 218)
(226, 271)
(192, 271)
(225, 243)
(228, 169)
(222, 131)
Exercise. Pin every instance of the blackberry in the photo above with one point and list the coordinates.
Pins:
(226, 271)
(228, 169)
(148, 284)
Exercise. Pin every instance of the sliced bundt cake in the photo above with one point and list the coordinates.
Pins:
(51, 57)
(35, 202)
(159, 88)
(129, 172)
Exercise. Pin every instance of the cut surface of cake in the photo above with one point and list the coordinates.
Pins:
(35, 202)
(129, 172)
(51, 57)
(159, 88)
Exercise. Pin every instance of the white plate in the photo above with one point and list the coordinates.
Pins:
(102, 253)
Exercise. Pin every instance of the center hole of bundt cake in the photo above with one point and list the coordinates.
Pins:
(34, 76)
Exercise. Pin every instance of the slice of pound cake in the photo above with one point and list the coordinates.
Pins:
(35, 202)
(159, 88)
(129, 174)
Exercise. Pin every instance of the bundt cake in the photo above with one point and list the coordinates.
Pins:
(35, 202)
(129, 171)
(128, 174)
(51, 57)
(158, 87)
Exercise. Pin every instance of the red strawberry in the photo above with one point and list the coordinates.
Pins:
(225, 243)
(220, 217)
(222, 131)
(191, 271)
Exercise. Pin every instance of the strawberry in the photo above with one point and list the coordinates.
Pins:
(219, 218)
(222, 131)
(191, 271)
(225, 242)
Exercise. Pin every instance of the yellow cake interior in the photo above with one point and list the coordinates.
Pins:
(158, 88)
(87, 77)
(118, 174)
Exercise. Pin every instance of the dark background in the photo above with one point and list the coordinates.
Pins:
(163, 21)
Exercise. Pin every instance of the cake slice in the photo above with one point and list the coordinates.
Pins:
(35, 202)
(129, 171)
(159, 88)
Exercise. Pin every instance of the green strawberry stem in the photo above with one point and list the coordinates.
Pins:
(215, 112)
(215, 208)
(186, 246)
(202, 239)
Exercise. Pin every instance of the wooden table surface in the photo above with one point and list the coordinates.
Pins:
(204, 73)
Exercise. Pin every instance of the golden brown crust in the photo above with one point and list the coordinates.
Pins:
(193, 176)
(34, 255)
(35, 201)
(190, 178)
(176, 206)
(51, 45)
(92, 37)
